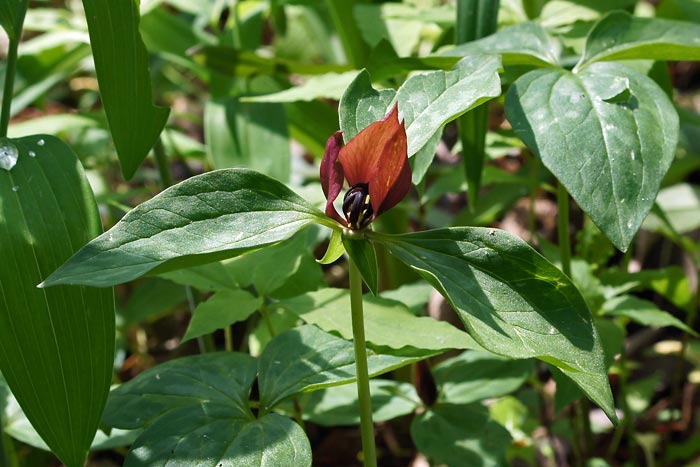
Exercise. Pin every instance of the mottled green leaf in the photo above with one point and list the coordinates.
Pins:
(608, 133)
(643, 312)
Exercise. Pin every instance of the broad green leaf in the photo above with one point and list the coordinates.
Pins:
(388, 323)
(669, 282)
(361, 252)
(195, 412)
(473, 376)
(607, 133)
(152, 298)
(460, 435)
(327, 86)
(414, 296)
(16, 425)
(523, 44)
(56, 346)
(338, 405)
(207, 277)
(306, 358)
(214, 215)
(643, 312)
(386, 22)
(685, 10)
(248, 134)
(12, 14)
(121, 63)
(220, 310)
(361, 105)
(681, 205)
(511, 300)
(270, 268)
(621, 36)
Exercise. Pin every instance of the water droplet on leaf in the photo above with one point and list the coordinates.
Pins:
(15, 188)
(8, 155)
(32, 154)
(41, 142)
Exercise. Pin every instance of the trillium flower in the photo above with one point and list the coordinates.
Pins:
(375, 165)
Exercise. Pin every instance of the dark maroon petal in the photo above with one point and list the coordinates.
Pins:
(332, 174)
(378, 156)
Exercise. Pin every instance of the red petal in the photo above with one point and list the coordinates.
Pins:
(378, 156)
(332, 174)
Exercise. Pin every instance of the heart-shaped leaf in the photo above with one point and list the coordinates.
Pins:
(621, 36)
(608, 133)
(512, 300)
(195, 412)
(306, 358)
(211, 216)
(57, 345)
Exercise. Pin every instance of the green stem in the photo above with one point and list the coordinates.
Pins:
(358, 332)
(9, 86)
(228, 337)
(341, 13)
(166, 178)
(268, 322)
(4, 457)
(563, 228)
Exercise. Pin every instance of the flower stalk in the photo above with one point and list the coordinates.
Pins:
(369, 450)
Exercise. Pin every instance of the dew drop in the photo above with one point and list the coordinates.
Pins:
(32, 154)
(41, 142)
(8, 155)
(552, 331)
(622, 201)
(633, 156)
(157, 375)
(629, 224)
(15, 188)
(111, 237)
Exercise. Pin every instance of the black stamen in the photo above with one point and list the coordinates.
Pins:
(356, 206)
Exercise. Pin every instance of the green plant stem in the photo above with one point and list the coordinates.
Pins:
(166, 178)
(563, 228)
(228, 338)
(341, 13)
(363, 394)
(268, 322)
(4, 458)
(9, 86)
